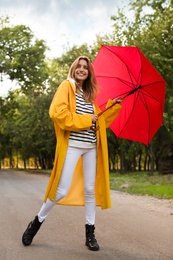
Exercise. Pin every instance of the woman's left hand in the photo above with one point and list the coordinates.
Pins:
(117, 100)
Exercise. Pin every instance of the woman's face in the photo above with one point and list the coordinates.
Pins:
(81, 71)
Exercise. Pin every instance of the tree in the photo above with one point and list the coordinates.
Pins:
(150, 28)
(27, 131)
(22, 57)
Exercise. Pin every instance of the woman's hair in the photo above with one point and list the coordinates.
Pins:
(90, 85)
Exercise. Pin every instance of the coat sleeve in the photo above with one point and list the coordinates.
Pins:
(61, 113)
(111, 113)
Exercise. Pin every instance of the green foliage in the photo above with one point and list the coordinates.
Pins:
(25, 125)
(148, 25)
(22, 57)
(27, 129)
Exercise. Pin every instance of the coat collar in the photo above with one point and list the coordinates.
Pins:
(72, 81)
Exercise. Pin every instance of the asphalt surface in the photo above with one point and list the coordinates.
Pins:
(135, 228)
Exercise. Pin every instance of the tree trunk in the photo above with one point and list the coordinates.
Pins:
(121, 162)
(139, 160)
(165, 166)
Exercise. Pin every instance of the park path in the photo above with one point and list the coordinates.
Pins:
(135, 228)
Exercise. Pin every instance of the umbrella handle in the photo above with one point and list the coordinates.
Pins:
(99, 114)
(95, 129)
(117, 102)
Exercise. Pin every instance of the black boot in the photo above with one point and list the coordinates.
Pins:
(31, 231)
(91, 242)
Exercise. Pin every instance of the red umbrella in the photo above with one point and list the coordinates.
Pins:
(125, 72)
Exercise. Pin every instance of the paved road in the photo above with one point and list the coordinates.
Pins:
(136, 228)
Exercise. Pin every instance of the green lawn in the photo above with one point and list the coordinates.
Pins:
(160, 186)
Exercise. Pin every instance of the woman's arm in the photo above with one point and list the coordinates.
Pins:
(113, 111)
(60, 111)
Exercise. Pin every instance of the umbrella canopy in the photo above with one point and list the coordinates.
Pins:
(125, 72)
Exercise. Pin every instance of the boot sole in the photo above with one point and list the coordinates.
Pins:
(92, 248)
(26, 243)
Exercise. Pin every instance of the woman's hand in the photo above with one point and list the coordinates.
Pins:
(94, 118)
(117, 100)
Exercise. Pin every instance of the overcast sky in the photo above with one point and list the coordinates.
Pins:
(62, 22)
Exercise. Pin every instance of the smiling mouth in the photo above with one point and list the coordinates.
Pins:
(81, 75)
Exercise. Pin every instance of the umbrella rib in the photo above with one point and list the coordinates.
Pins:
(137, 95)
(143, 100)
(134, 103)
(146, 106)
(146, 93)
(123, 81)
(133, 85)
(128, 69)
(129, 84)
(149, 84)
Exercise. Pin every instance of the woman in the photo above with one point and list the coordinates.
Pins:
(80, 175)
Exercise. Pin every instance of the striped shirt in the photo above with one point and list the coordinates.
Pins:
(83, 138)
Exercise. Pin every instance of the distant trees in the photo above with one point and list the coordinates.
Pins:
(149, 25)
(26, 129)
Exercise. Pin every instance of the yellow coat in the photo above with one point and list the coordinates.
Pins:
(63, 112)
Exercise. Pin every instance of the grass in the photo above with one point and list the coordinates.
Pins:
(140, 183)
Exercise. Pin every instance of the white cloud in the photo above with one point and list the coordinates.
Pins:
(62, 23)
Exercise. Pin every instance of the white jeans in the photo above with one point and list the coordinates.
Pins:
(89, 169)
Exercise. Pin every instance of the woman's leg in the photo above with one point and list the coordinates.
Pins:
(71, 160)
(72, 157)
(89, 168)
(45, 209)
